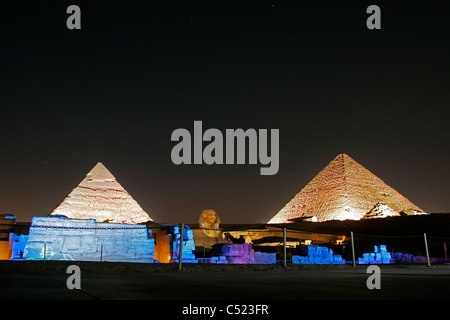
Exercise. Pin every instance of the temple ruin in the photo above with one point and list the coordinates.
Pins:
(100, 221)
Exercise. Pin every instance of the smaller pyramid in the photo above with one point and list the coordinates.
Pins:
(99, 196)
(380, 210)
(343, 190)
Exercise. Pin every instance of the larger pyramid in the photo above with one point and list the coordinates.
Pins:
(99, 196)
(344, 189)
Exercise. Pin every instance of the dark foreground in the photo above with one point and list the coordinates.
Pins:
(38, 280)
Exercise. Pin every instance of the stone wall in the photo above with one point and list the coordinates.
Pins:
(239, 254)
(399, 257)
(378, 256)
(6, 227)
(188, 245)
(18, 242)
(60, 238)
(318, 255)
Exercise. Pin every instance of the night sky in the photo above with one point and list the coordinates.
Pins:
(115, 91)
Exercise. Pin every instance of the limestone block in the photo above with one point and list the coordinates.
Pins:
(87, 240)
(265, 258)
(318, 255)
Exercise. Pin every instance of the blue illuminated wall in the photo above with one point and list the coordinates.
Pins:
(60, 238)
(318, 255)
(18, 244)
(188, 245)
(324, 255)
(379, 255)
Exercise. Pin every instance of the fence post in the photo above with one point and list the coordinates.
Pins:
(426, 249)
(445, 250)
(180, 247)
(353, 249)
(284, 247)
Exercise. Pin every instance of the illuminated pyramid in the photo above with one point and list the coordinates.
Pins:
(344, 189)
(99, 196)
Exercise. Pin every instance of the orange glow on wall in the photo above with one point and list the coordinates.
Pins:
(162, 246)
(5, 250)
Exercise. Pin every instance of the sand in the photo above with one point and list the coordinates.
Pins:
(111, 281)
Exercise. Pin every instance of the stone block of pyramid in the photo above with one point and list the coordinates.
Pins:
(344, 189)
(99, 196)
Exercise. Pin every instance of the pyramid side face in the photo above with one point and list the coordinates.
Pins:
(324, 193)
(99, 196)
(344, 189)
(365, 190)
(322, 197)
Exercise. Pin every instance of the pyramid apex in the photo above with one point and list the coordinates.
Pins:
(343, 155)
(100, 196)
(99, 164)
(345, 159)
(100, 173)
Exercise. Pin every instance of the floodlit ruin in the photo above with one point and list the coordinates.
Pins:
(343, 190)
(60, 238)
(100, 221)
(97, 221)
(7, 222)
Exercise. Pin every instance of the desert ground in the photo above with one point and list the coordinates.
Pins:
(31, 280)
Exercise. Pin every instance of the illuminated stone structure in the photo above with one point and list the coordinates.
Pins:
(188, 245)
(378, 256)
(99, 196)
(344, 189)
(208, 232)
(318, 255)
(239, 254)
(7, 222)
(209, 222)
(380, 210)
(18, 242)
(60, 238)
